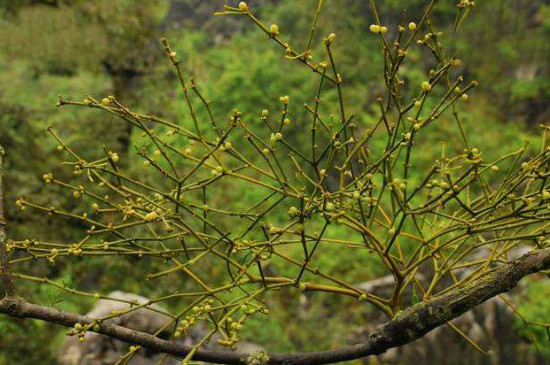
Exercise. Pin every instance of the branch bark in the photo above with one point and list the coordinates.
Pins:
(409, 325)
(7, 279)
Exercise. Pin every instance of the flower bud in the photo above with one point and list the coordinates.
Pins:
(151, 216)
(274, 29)
(284, 99)
(47, 178)
(243, 6)
(375, 28)
(292, 211)
(114, 156)
(276, 137)
(426, 86)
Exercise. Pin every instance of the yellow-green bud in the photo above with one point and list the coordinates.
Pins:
(274, 29)
(374, 28)
(285, 99)
(114, 156)
(243, 6)
(293, 211)
(151, 216)
(47, 178)
(276, 137)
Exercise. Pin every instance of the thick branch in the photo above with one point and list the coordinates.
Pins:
(7, 279)
(408, 326)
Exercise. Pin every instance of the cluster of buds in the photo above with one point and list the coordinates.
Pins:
(48, 178)
(276, 137)
(75, 250)
(114, 156)
(151, 216)
(466, 4)
(108, 100)
(218, 170)
(293, 212)
(184, 326)
(20, 204)
(80, 330)
(330, 38)
(285, 99)
(375, 28)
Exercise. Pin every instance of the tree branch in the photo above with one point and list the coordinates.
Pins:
(411, 324)
(7, 278)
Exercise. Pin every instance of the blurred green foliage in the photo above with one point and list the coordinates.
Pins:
(111, 47)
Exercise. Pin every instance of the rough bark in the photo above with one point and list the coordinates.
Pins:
(409, 325)
(7, 279)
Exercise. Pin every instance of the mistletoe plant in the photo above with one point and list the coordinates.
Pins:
(446, 239)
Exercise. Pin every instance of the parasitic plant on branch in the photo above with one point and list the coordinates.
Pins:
(447, 239)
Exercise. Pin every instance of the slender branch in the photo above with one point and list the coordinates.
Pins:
(409, 325)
